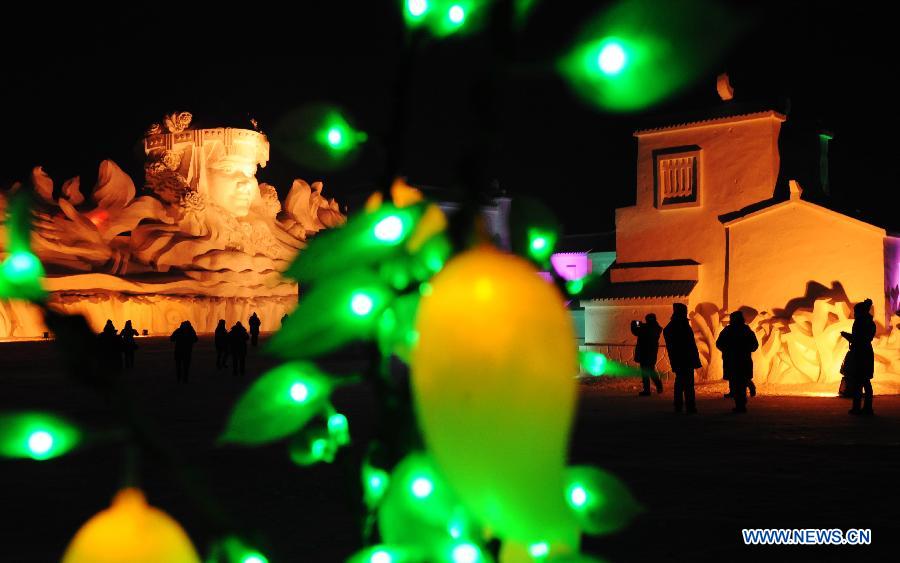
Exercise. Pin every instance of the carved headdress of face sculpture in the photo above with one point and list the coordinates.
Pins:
(195, 167)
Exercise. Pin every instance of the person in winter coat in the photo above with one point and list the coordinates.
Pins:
(109, 351)
(184, 338)
(646, 351)
(128, 344)
(221, 341)
(254, 323)
(237, 343)
(683, 357)
(737, 342)
(860, 362)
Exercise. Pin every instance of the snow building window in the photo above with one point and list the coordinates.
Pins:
(676, 177)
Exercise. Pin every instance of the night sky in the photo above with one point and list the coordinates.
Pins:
(80, 86)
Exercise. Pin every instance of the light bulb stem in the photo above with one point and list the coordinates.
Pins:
(131, 468)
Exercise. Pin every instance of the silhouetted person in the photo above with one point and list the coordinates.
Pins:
(254, 323)
(284, 320)
(184, 338)
(221, 345)
(109, 350)
(750, 385)
(128, 344)
(646, 350)
(737, 342)
(861, 357)
(237, 343)
(683, 356)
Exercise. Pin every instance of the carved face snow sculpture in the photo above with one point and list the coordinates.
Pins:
(217, 166)
(231, 184)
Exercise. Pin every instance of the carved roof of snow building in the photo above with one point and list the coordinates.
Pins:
(773, 204)
(728, 112)
(644, 290)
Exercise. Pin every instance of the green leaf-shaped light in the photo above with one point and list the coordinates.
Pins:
(420, 510)
(599, 499)
(367, 238)
(396, 328)
(534, 230)
(319, 136)
(375, 482)
(233, 549)
(278, 404)
(637, 53)
(20, 271)
(36, 435)
(312, 445)
(597, 364)
(384, 553)
(333, 313)
(443, 18)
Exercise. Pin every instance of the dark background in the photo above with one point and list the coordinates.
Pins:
(80, 85)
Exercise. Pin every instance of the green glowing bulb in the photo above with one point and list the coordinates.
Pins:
(376, 482)
(318, 448)
(335, 137)
(36, 435)
(21, 267)
(339, 428)
(456, 14)
(40, 442)
(22, 261)
(232, 549)
(299, 392)
(574, 287)
(361, 304)
(612, 59)
(578, 496)
(539, 549)
(389, 229)
(540, 243)
(422, 487)
(465, 553)
(593, 363)
(381, 556)
(417, 7)
(455, 532)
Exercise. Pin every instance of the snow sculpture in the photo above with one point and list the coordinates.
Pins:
(203, 241)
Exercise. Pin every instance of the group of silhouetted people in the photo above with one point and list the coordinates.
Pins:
(737, 343)
(229, 343)
(234, 343)
(115, 350)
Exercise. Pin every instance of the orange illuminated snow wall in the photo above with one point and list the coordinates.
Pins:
(793, 267)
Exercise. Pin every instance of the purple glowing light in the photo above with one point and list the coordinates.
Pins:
(571, 265)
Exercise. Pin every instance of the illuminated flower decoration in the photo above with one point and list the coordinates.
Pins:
(192, 201)
(165, 182)
(154, 129)
(171, 160)
(178, 122)
(268, 196)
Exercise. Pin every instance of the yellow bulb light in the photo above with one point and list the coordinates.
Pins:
(131, 531)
